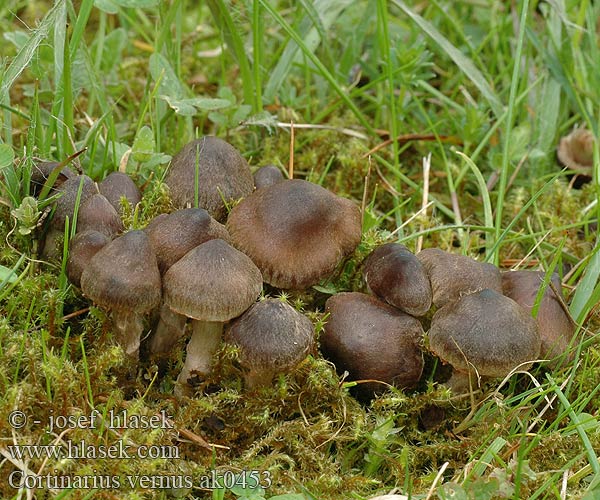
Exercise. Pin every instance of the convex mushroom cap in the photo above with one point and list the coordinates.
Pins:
(554, 325)
(97, 214)
(395, 274)
(223, 174)
(295, 232)
(487, 332)
(175, 234)
(211, 284)
(82, 248)
(123, 277)
(267, 176)
(272, 338)
(452, 276)
(372, 340)
(117, 186)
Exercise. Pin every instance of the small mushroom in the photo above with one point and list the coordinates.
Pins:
(98, 214)
(395, 275)
(576, 152)
(123, 278)
(295, 232)
(272, 338)
(65, 208)
(118, 185)
(222, 174)
(82, 248)
(372, 340)
(211, 284)
(41, 170)
(484, 333)
(266, 176)
(453, 276)
(554, 325)
(175, 234)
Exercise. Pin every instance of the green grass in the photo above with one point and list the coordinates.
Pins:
(490, 87)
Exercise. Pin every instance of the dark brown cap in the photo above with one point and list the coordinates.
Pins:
(82, 248)
(372, 340)
(223, 174)
(272, 338)
(117, 185)
(295, 232)
(123, 276)
(395, 274)
(266, 176)
(453, 276)
(212, 282)
(175, 234)
(97, 214)
(487, 332)
(65, 205)
(41, 170)
(555, 327)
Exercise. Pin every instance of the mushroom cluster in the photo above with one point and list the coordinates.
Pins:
(202, 267)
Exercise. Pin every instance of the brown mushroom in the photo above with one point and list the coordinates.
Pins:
(272, 338)
(175, 234)
(222, 174)
(484, 333)
(372, 340)
(554, 325)
(123, 278)
(266, 176)
(97, 214)
(576, 152)
(82, 248)
(395, 275)
(453, 276)
(117, 186)
(295, 232)
(211, 284)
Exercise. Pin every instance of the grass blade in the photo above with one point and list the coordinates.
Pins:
(465, 64)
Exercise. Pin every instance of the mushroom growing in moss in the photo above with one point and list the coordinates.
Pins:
(215, 170)
(554, 325)
(123, 278)
(395, 274)
(372, 340)
(295, 232)
(576, 152)
(452, 276)
(484, 333)
(211, 284)
(272, 338)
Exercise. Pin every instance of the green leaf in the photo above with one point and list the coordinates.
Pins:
(169, 83)
(7, 156)
(7, 275)
(143, 144)
(288, 496)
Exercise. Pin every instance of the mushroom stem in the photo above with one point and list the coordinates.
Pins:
(255, 378)
(128, 328)
(169, 330)
(205, 340)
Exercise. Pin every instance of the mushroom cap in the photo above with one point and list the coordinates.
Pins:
(555, 327)
(295, 232)
(117, 185)
(576, 151)
(99, 215)
(487, 331)
(124, 275)
(212, 282)
(266, 176)
(175, 234)
(223, 174)
(41, 170)
(82, 248)
(395, 274)
(372, 340)
(65, 205)
(452, 276)
(271, 335)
